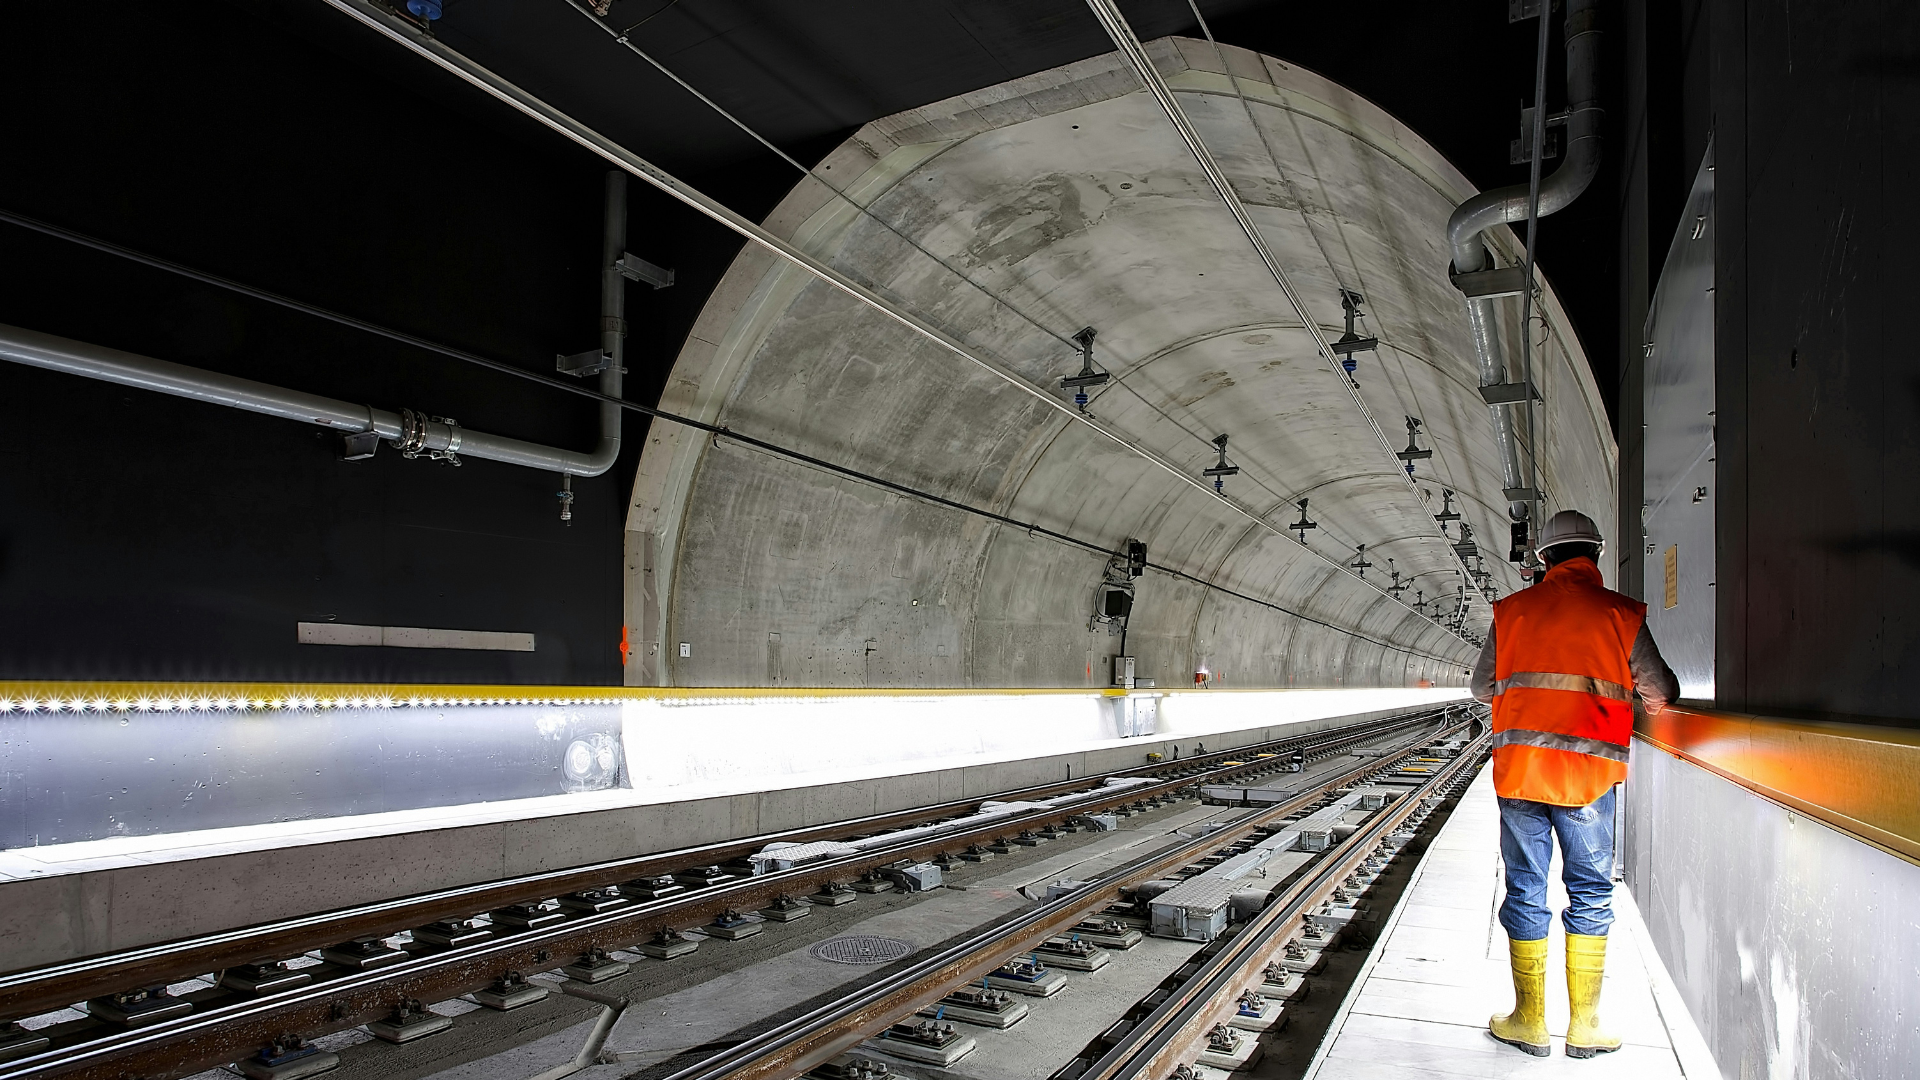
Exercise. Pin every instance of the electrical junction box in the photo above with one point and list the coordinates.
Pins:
(1123, 672)
(915, 877)
(1194, 910)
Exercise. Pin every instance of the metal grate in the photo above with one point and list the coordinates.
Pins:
(861, 949)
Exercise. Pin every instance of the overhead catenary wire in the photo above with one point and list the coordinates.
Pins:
(1115, 24)
(1306, 219)
(1539, 155)
(409, 35)
(717, 430)
(624, 39)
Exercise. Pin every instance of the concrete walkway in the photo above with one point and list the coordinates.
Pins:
(1420, 1007)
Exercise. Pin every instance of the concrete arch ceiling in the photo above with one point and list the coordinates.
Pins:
(1068, 196)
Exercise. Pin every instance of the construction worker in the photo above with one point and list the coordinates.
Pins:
(1560, 667)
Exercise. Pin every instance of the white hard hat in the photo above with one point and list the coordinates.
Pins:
(1569, 527)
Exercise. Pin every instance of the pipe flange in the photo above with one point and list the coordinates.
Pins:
(413, 434)
(414, 430)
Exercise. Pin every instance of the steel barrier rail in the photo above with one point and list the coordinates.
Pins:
(811, 1040)
(215, 1035)
(1157, 1045)
(1857, 778)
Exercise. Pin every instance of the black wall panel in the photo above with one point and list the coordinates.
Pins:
(146, 536)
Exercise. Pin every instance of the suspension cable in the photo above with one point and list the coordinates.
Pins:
(717, 430)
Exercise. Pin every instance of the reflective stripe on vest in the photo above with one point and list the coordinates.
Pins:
(1553, 740)
(1563, 703)
(1554, 680)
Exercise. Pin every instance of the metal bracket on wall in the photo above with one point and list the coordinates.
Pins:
(1520, 494)
(582, 364)
(634, 268)
(359, 446)
(1520, 150)
(1510, 393)
(1490, 284)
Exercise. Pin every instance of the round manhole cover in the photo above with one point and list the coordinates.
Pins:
(861, 949)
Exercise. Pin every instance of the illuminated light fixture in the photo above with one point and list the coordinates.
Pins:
(1221, 470)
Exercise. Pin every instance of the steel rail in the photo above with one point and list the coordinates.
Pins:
(408, 33)
(31, 991)
(1157, 1044)
(811, 1040)
(224, 1030)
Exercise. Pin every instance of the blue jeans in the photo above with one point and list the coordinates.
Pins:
(1527, 830)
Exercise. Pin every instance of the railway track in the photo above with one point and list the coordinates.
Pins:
(1156, 1041)
(170, 1037)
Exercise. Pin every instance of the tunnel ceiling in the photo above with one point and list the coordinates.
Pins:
(1012, 217)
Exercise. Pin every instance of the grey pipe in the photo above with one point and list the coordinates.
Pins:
(1506, 205)
(613, 320)
(35, 349)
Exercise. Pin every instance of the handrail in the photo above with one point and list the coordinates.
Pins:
(1857, 778)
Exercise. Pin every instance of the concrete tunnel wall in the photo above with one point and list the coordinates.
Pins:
(1068, 193)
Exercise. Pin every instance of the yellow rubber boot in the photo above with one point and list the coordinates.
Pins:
(1586, 961)
(1526, 1026)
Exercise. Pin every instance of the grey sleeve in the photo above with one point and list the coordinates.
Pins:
(1483, 669)
(1653, 680)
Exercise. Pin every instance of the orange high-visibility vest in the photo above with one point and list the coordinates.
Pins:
(1563, 699)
